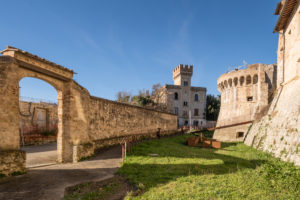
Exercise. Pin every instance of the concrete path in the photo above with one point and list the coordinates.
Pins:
(40, 155)
(49, 182)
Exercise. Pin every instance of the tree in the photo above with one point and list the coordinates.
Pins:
(144, 98)
(124, 97)
(155, 88)
(212, 107)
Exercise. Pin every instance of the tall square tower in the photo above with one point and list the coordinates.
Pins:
(182, 75)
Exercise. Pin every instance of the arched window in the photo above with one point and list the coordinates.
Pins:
(255, 79)
(176, 96)
(248, 80)
(235, 81)
(230, 82)
(242, 79)
(225, 84)
(196, 97)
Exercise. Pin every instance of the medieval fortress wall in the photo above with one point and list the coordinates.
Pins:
(276, 128)
(84, 122)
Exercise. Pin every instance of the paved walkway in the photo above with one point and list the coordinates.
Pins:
(49, 182)
(40, 155)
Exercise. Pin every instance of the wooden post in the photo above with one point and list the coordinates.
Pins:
(125, 150)
(122, 153)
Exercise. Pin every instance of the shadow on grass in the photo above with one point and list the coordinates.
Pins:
(151, 175)
(142, 168)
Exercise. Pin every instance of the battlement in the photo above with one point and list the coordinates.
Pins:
(183, 70)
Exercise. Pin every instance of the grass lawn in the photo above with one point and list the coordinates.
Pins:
(234, 172)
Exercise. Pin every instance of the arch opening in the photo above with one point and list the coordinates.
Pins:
(230, 82)
(40, 124)
(242, 80)
(226, 84)
(248, 80)
(235, 81)
(255, 79)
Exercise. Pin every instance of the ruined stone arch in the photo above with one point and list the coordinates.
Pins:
(242, 80)
(248, 80)
(17, 65)
(255, 78)
(230, 82)
(235, 81)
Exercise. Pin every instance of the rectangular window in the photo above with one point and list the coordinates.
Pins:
(185, 103)
(196, 112)
(240, 134)
(185, 113)
(176, 110)
(196, 123)
(185, 83)
(249, 98)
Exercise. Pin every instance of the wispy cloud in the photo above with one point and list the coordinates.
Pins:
(179, 48)
(89, 40)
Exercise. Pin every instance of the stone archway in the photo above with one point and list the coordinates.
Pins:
(14, 66)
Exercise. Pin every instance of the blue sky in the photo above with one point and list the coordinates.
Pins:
(133, 44)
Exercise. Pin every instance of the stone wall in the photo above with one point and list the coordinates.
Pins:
(95, 121)
(278, 131)
(12, 162)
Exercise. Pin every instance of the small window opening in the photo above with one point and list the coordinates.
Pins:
(240, 134)
(196, 97)
(185, 103)
(249, 98)
(176, 96)
(185, 83)
(196, 112)
(196, 123)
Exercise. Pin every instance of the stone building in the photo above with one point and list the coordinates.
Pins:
(245, 95)
(184, 100)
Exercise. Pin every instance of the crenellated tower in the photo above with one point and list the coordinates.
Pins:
(182, 75)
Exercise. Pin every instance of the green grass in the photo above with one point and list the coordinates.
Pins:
(234, 172)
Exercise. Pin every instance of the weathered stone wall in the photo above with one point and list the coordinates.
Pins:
(278, 131)
(245, 96)
(11, 162)
(96, 120)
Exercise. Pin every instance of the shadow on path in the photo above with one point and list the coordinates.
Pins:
(50, 182)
